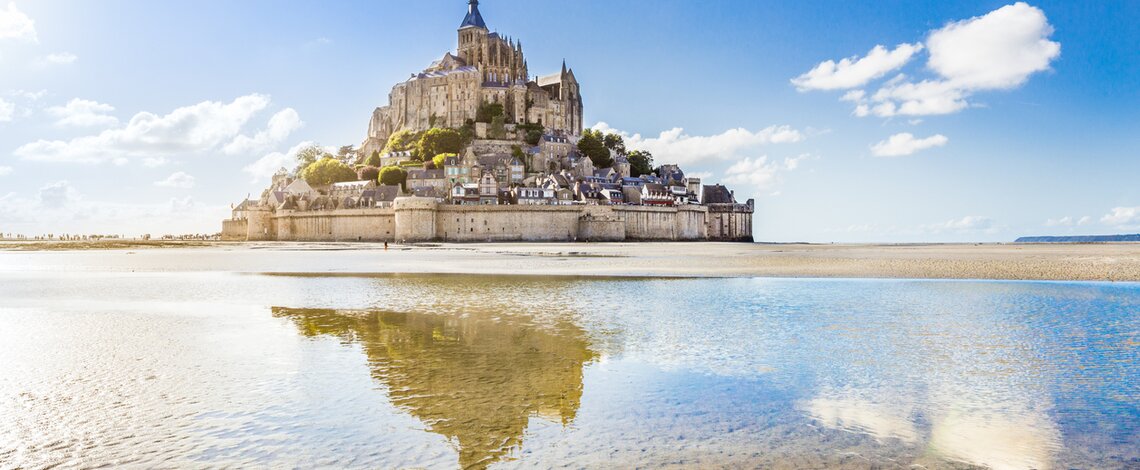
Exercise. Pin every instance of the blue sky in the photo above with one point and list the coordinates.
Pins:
(948, 121)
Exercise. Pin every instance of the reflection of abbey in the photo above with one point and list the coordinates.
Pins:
(488, 68)
(519, 166)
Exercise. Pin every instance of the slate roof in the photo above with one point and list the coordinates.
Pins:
(387, 193)
(473, 18)
(717, 194)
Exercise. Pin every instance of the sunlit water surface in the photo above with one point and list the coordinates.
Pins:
(204, 369)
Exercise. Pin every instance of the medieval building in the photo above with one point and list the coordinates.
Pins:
(486, 68)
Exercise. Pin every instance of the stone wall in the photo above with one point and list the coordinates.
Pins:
(413, 219)
(235, 230)
(340, 225)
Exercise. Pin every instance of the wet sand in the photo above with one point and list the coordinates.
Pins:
(1075, 262)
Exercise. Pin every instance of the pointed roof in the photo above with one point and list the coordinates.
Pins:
(473, 18)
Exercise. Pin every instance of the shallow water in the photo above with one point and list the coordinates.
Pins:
(104, 367)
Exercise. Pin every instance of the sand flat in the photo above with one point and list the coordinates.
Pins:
(1076, 262)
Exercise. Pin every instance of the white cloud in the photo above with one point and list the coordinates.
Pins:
(997, 51)
(968, 224)
(1085, 220)
(29, 95)
(57, 195)
(60, 58)
(60, 208)
(902, 144)
(14, 24)
(674, 146)
(1122, 217)
(5, 170)
(761, 173)
(280, 126)
(177, 180)
(266, 166)
(7, 110)
(83, 113)
(854, 71)
(1062, 222)
(191, 129)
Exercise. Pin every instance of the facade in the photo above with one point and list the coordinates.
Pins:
(486, 68)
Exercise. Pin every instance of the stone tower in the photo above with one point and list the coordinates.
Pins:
(500, 60)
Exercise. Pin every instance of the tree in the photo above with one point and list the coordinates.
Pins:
(369, 173)
(591, 146)
(346, 152)
(439, 160)
(533, 137)
(393, 175)
(308, 156)
(401, 141)
(488, 111)
(518, 153)
(640, 163)
(327, 170)
(498, 128)
(437, 141)
(614, 142)
(374, 159)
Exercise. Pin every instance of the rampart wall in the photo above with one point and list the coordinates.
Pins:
(413, 219)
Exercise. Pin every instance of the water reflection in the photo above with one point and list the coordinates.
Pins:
(475, 379)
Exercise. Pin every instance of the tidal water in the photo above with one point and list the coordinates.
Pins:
(109, 368)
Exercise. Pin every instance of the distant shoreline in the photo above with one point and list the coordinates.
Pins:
(1113, 262)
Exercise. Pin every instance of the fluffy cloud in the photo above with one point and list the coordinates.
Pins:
(14, 24)
(997, 51)
(903, 144)
(60, 208)
(57, 195)
(280, 126)
(7, 110)
(191, 129)
(968, 224)
(5, 170)
(761, 173)
(83, 113)
(176, 180)
(854, 71)
(1062, 222)
(674, 146)
(1122, 217)
(266, 166)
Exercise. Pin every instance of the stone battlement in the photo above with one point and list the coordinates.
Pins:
(414, 219)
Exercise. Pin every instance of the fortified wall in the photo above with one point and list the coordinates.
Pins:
(413, 219)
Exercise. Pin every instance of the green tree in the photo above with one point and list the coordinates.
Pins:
(393, 175)
(614, 142)
(441, 158)
(488, 111)
(327, 170)
(591, 146)
(308, 156)
(374, 159)
(437, 141)
(369, 173)
(345, 153)
(498, 128)
(640, 163)
(401, 140)
(533, 137)
(517, 152)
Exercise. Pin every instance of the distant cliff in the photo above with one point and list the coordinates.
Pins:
(1082, 239)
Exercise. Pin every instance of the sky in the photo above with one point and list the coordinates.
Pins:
(884, 121)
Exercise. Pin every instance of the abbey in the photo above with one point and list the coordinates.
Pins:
(486, 68)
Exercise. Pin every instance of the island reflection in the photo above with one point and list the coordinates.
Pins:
(476, 380)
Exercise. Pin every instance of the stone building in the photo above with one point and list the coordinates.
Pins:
(486, 68)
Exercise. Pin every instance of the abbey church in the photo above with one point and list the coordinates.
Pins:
(486, 68)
